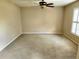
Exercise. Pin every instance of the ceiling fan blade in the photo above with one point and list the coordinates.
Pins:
(50, 4)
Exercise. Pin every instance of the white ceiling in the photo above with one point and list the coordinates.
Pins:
(25, 3)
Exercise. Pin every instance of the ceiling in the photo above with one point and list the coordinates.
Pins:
(25, 3)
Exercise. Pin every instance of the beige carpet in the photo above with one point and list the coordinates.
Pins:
(40, 47)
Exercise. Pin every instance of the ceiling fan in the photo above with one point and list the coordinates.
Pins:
(43, 3)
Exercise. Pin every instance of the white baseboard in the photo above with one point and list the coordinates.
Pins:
(72, 39)
(42, 33)
(9, 42)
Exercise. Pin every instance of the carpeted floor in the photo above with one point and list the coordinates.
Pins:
(40, 47)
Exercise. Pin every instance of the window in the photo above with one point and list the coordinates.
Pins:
(75, 23)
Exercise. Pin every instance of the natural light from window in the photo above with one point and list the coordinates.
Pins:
(75, 23)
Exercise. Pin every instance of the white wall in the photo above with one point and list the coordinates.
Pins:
(10, 22)
(37, 20)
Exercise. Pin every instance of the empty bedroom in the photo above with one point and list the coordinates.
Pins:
(39, 29)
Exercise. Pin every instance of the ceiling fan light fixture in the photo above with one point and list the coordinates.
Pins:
(43, 3)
